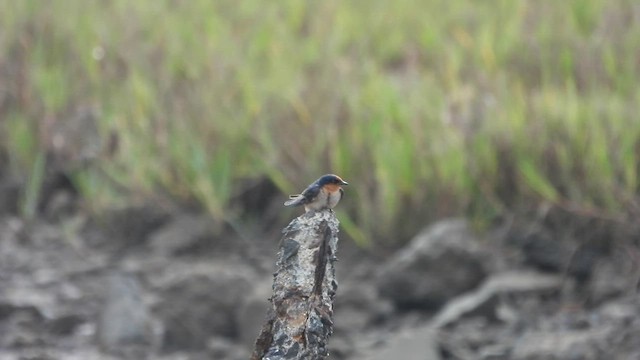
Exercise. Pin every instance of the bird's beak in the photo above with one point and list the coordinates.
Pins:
(344, 183)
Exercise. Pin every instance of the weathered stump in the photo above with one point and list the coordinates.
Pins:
(299, 322)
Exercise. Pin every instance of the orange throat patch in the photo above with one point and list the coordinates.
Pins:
(331, 188)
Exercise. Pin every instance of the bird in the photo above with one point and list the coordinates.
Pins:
(324, 193)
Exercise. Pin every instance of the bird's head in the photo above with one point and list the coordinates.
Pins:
(331, 179)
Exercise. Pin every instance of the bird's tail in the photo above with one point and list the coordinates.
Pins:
(294, 200)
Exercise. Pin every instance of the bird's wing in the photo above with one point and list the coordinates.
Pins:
(307, 196)
(311, 192)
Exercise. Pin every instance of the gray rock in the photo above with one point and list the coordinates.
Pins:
(223, 348)
(416, 344)
(609, 280)
(200, 301)
(618, 312)
(124, 322)
(21, 326)
(482, 300)
(252, 313)
(622, 316)
(561, 345)
(441, 262)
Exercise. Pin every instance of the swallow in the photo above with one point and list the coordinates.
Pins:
(324, 193)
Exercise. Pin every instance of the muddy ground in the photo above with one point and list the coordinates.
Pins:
(158, 282)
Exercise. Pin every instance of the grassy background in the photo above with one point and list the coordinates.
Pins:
(438, 108)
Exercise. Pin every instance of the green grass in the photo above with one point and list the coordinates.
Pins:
(430, 109)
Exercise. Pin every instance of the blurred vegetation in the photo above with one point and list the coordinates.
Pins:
(429, 109)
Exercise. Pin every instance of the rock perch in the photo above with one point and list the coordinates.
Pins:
(299, 322)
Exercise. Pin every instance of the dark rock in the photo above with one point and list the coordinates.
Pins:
(541, 249)
(556, 253)
(9, 196)
(65, 325)
(441, 262)
(21, 326)
(8, 310)
(259, 196)
(58, 195)
(123, 229)
(583, 260)
(185, 234)
(201, 302)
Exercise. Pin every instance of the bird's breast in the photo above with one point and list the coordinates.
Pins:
(333, 198)
(326, 198)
